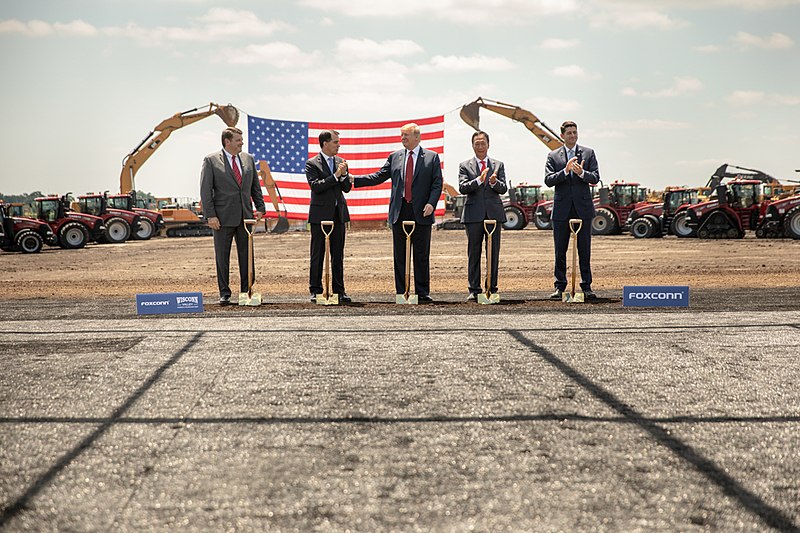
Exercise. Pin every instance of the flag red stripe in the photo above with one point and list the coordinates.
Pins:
(351, 141)
(374, 125)
(357, 156)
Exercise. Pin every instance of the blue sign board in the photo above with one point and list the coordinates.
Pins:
(656, 296)
(169, 302)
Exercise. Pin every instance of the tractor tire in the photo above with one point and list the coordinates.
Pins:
(643, 228)
(604, 222)
(73, 235)
(515, 218)
(541, 223)
(680, 228)
(792, 224)
(29, 242)
(117, 230)
(146, 230)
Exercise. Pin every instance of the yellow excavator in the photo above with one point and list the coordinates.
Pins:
(181, 221)
(470, 115)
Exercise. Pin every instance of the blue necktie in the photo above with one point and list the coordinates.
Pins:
(330, 162)
(570, 155)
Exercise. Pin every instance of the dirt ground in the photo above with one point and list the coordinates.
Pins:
(171, 264)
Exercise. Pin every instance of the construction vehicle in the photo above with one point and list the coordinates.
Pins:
(781, 219)
(120, 224)
(613, 204)
(655, 219)
(521, 205)
(183, 217)
(151, 221)
(22, 234)
(72, 230)
(282, 223)
(738, 206)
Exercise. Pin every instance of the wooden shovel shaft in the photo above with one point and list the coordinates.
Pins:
(412, 225)
(486, 224)
(328, 224)
(575, 225)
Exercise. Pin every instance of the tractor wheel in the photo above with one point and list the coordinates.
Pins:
(117, 230)
(792, 224)
(541, 223)
(680, 228)
(515, 218)
(29, 242)
(146, 230)
(604, 222)
(73, 235)
(643, 228)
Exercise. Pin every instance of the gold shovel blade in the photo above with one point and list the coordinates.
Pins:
(244, 299)
(411, 300)
(576, 298)
(255, 299)
(491, 299)
(333, 299)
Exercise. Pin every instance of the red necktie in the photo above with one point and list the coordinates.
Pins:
(236, 173)
(483, 165)
(409, 176)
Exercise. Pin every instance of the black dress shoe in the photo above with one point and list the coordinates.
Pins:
(313, 298)
(556, 295)
(473, 297)
(224, 300)
(425, 299)
(589, 294)
(345, 299)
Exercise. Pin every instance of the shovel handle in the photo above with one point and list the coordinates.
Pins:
(327, 224)
(487, 223)
(409, 224)
(575, 225)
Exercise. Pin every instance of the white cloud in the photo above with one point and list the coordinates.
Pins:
(470, 12)
(751, 5)
(748, 98)
(277, 54)
(774, 41)
(636, 18)
(541, 103)
(573, 71)
(463, 63)
(38, 28)
(559, 44)
(367, 49)
(679, 87)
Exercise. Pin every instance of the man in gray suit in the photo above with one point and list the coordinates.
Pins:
(416, 175)
(228, 189)
(483, 203)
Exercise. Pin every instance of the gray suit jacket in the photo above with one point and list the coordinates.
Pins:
(221, 195)
(483, 200)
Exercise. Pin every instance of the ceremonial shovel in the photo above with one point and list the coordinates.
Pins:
(327, 298)
(408, 298)
(489, 298)
(571, 296)
(250, 297)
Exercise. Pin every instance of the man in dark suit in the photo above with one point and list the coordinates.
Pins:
(483, 203)
(328, 178)
(570, 169)
(416, 175)
(228, 189)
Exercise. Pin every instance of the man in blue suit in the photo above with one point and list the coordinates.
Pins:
(571, 169)
(416, 175)
(483, 180)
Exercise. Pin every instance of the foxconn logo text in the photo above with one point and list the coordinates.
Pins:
(656, 296)
(162, 302)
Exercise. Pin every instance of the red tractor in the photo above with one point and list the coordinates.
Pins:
(737, 207)
(782, 219)
(613, 205)
(520, 208)
(151, 221)
(543, 214)
(655, 220)
(72, 230)
(23, 234)
(120, 224)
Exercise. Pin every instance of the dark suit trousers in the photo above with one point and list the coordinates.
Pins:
(476, 236)
(223, 240)
(421, 251)
(316, 268)
(562, 237)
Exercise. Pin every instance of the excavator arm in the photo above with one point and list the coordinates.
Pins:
(470, 115)
(139, 155)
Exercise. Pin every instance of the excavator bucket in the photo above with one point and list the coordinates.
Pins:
(282, 224)
(470, 114)
(229, 114)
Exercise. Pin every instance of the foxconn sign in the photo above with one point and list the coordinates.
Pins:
(168, 303)
(658, 296)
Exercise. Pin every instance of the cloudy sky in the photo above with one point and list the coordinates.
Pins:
(664, 90)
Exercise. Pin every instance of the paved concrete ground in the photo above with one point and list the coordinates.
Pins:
(546, 420)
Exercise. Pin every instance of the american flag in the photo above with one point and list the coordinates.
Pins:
(286, 145)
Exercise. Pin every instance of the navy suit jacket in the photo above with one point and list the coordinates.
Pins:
(222, 197)
(483, 200)
(327, 200)
(571, 190)
(426, 187)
